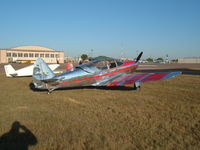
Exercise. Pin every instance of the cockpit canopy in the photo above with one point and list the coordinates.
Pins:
(99, 65)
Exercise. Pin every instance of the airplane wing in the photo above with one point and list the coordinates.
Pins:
(141, 77)
(53, 66)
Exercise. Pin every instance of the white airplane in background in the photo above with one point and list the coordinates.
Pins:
(26, 71)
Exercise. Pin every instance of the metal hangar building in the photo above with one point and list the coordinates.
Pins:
(28, 54)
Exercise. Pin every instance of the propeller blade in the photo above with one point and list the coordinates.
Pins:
(139, 56)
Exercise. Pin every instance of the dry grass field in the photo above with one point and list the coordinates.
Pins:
(162, 115)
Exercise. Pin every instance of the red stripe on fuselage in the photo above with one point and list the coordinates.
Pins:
(98, 76)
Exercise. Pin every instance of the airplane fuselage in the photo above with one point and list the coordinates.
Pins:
(87, 76)
(107, 72)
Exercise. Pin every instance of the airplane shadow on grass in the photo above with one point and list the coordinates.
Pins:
(18, 138)
(183, 70)
(122, 88)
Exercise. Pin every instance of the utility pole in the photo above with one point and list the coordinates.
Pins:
(92, 52)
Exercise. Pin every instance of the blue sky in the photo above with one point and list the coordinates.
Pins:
(110, 27)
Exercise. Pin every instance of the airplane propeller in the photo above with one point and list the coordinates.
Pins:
(139, 56)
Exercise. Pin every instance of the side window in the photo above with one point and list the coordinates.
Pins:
(57, 55)
(25, 54)
(8, 54)
(36, 55)
(102, 65)
(14, 54)
(47, 55)
(113, 64)
(30, 54)
(52, 55)
(20, 54)
(119, 63)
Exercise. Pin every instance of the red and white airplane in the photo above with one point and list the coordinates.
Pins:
(109, 72)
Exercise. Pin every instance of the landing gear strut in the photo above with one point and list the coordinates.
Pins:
(137, 85)
(50, 90)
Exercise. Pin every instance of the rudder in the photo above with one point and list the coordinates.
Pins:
(9, 70)
(41, 70)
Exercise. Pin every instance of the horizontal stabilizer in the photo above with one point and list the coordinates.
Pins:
(53, 66)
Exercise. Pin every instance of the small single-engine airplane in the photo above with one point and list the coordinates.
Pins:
(23, 72)
(95, 73)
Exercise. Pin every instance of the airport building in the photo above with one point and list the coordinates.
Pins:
(189, 60)
(28, 54)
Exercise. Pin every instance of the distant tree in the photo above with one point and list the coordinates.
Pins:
(102, 58)
(90, 58)
(174, 60)
(159, 59)
(149, 59)
(84, 57)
